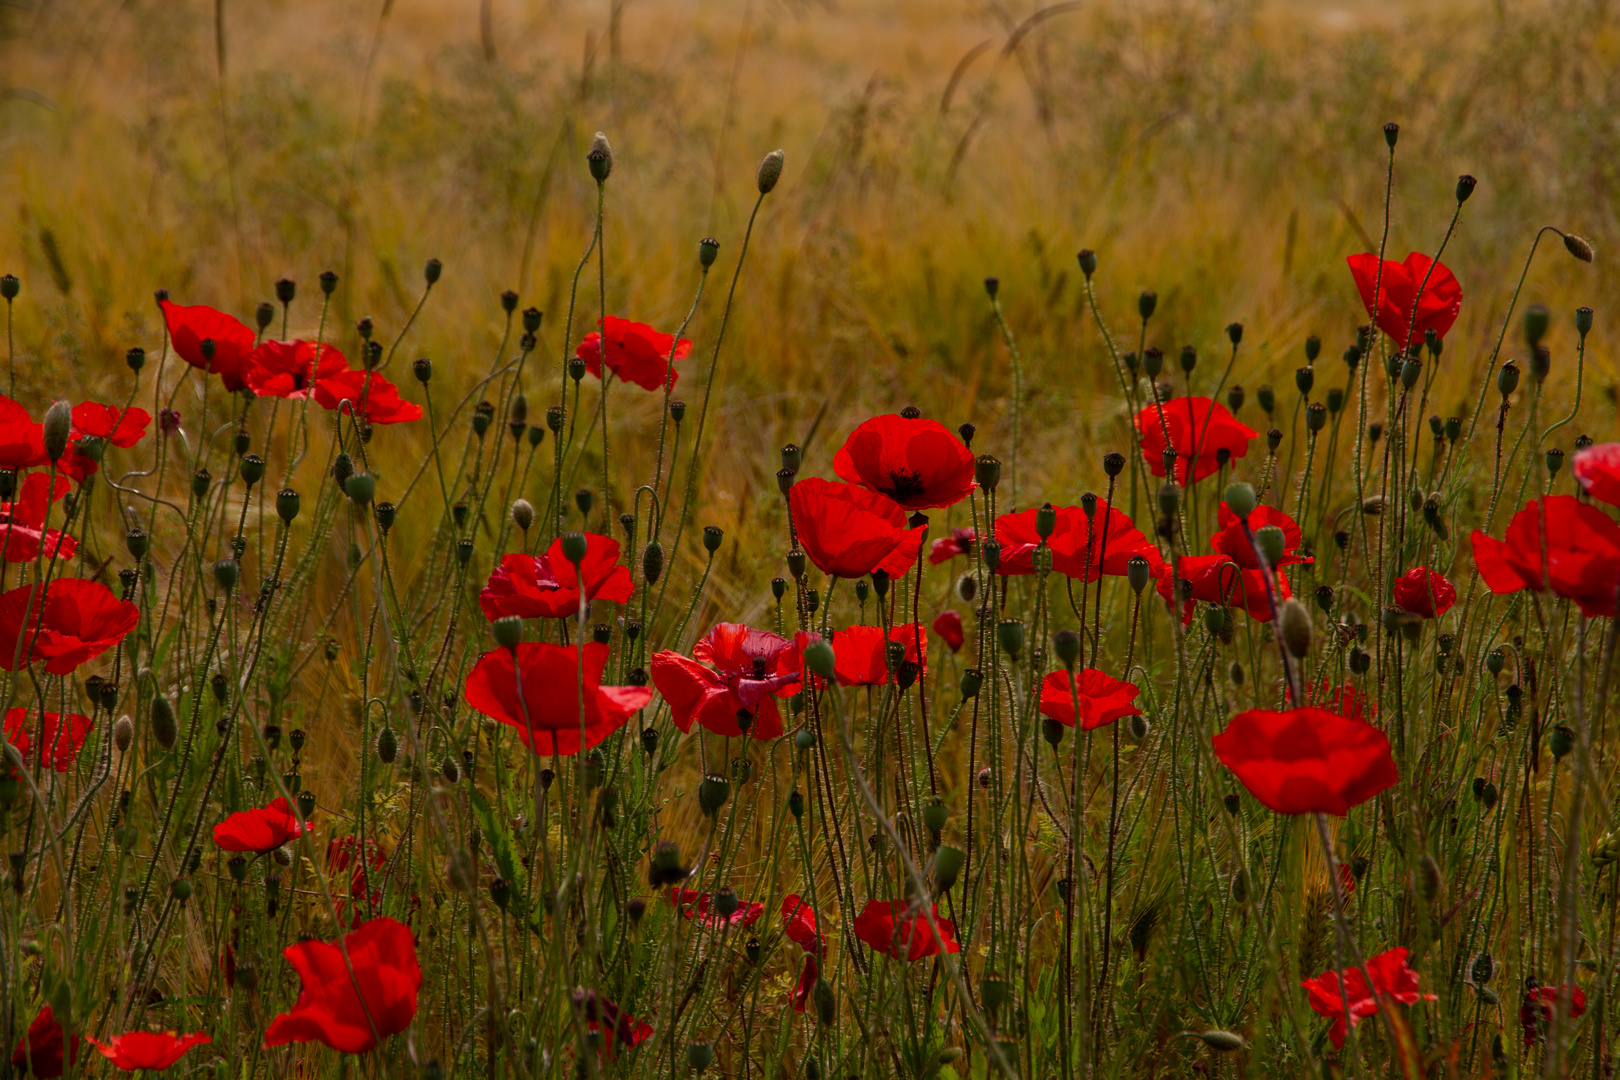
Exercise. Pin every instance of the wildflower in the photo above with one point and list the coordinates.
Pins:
(1437, 308)
(351, 1013)
(75, 621)
(547, 587)
(1103, 698)
(547, 715)
(914, 461)
(848, 531)
(155, 1050)
(1199, 427)
(1216, 579)
(1391, 978)
(39, 1051)
(898, 928)
(121, 427)
(1306, 760)
(62, 741)
(189, 327)
(948, 625)
(22, 523)
(862, 653)
(619, 1028)
(1234, 543)
(1536, 1010)
(22, 439)
(692, 904)
(1597, 470)
(289, 369)
(1582, 554)
(373, 398)
(749, 670)
(959, 542)
(1424, 592)
(1345, 700)
(259, 830)
(635, 353)
(1082, 548)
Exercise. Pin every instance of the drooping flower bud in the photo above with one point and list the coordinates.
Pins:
(1579, 247)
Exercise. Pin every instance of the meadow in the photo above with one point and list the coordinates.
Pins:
(1046, 754)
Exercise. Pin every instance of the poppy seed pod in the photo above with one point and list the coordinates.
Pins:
(287, 504)
(1305, 378)
(1136, 572)
(1555, 460)
(1410, 370)
(1045, 521)
(1272, 542)
(1010, 636)
(880, 582)
(1579, 247)
(1146, 302)
(1536, 321)
(58, 428)
(1392, 131)
(1465, 187)
(574, 547)
(1267, 397)
(10, 286)
(385, 513)
(600, 157)
(972, 681)
(1066, 644)
(1540, 363)
(796, 564)
(820, 659)
(987, 471)
(711, 538)
(1583, 321)
(1335, 400)
(1274, 439)
(1189, 359)
(826, 1004)
(948, 863)
(329, 282)
(708, 250)
(507, 631)
(770, 171)
(1240, 499)
(1507, 378)
(1296, 628)
(164, 728)
(992, 286)
(226, 572)
(713, 791)
(137, 542)
(1169, 498)
(1153, 362)
(135, 358)
(360, 488)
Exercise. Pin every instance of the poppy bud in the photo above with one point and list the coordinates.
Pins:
(1296, 628)
(708, 250)
(1507, 378)
(1305, 378)
(1487, 797)
(1189, 359)
(972, 680)
(1051, 731)
(820, 659)
(652, 562)
(1561, 741)
(725, 901)
(584, 500)
(1010, 636)
(1066, 644)
(987, 471)
(966, 430)
(1153, 362)
(600, 158)
(948, 863)
(10, 286)
(1240, 499)
(523, 514)
(1392, 132)
(711, 538)
(226, 572)
(1324, 597)
(58, 427)
(880, 582)
(1578, 247)
(713, 791)
(796, 804)
(770, 171)
(1433, 342)
(360, 488)
(1169, 499)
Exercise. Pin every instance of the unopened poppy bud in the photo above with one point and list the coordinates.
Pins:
(180, 889)
(226, 572)
(1296, 627)
(431, 271)
(600, 158)
(967, 587)
(819, 658)
(1169, 499)
(523, 514)
(10, 286)
(711, 538)
(770, 171)
(58, 427)
(1507, 378)
(1153, 362)
(1218, 621)
(1132, 362)
(1224, 1042)
(1010, 636)
(1392, 131)
(360, 488)
(652, 562)
(123, 733)
(1146, 302)
(948, 863)
(584, 500)
(1235, 673)
(1240, 498)
(1579, 247)
(826, 1004)
(329, 282)
(164, 728)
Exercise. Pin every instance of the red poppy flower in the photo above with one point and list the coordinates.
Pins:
(636, 353)
(121, 427)
(22, 439)
(861, 653)
(1583, 554)
(155, 1050)
(547, 587)
(1345, 700)
(619, 1028)
(960, 542)
(1437, 308)
(288, 369)
(77, 621)
(1232, 542)
(340, 855)
(1424, 592)
(692, 904)
(547, 716)
(1198, 426)
(899, 928)
(917, 463)
(62, 742)
(330, 1010)
(808, 974)
(1347, 879)
(1103, 698)
(750, 670)
(1082, 548)
(40, 1050)
(22, 523)
(948, 625)
(189, 327)
(849, 532)
(1306, 760)
(369, 393)
(262, 829)
(799, 924)
(1391, 977)
(1597, 470)
(1536, 1009)
(1216, 579)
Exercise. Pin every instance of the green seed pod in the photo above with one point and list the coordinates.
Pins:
(804, 739)
(226, 572)
(1066, 644)
(1561, 741)
(1304, 379)
(360, 488)
(1583, 321)
(508, 631)
(200, 481)
(137, 542)
(1536, 321)
(1088, 262)
(994, 992)
(574, 547)
(934, 815)
(1273, 543)
(180, 889)
(1146, 302)
(972, 680)
(1045, 521)
(306, 804)
(1169, 499)
(1153, 362)
(820, 659)
(1240, 499)
(796, 804)
(1051, 731)
(725, 901)
(1507, 378)
(1267, 397)
(1010, 636)
(713, 792)
(251, 469)
(987, 471)
(1316, 416)
(711, 538)
(385, 513)
(826, 1003)
(708, 251)
(288, 502)
(948, 863)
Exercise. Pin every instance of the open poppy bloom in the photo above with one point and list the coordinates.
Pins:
(547, 587)
(288, 369)
(849, 531)
(341, 852)
(1583, 554)
(1306, 760)
(1536, 1010)
(619, 1029)
(369, 393)
(547, 715)
(22, 523)
(898, 928)
(1082, 548)
(39, 1051)
(259, 830)
(1424, 592)
(749, 670)
(799, 924)
(78, 620)
(1234, 543)
(948, 625)
(121, 427)
(917, 463)
(692, 904)
(189, 327)
(1103, 698)
(155, 1050)
(1597, 470)
(861, 653)
(1345, 700)
(331, 1010)
(959, 542)
(1216, 579)
(62, 742)
(808, 974)
(1199, 428)
(22, 438)
(1436, 310)
(635, 353)
(1391, 978)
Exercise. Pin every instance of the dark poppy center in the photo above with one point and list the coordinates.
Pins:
(759, 667)
(903, 484)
